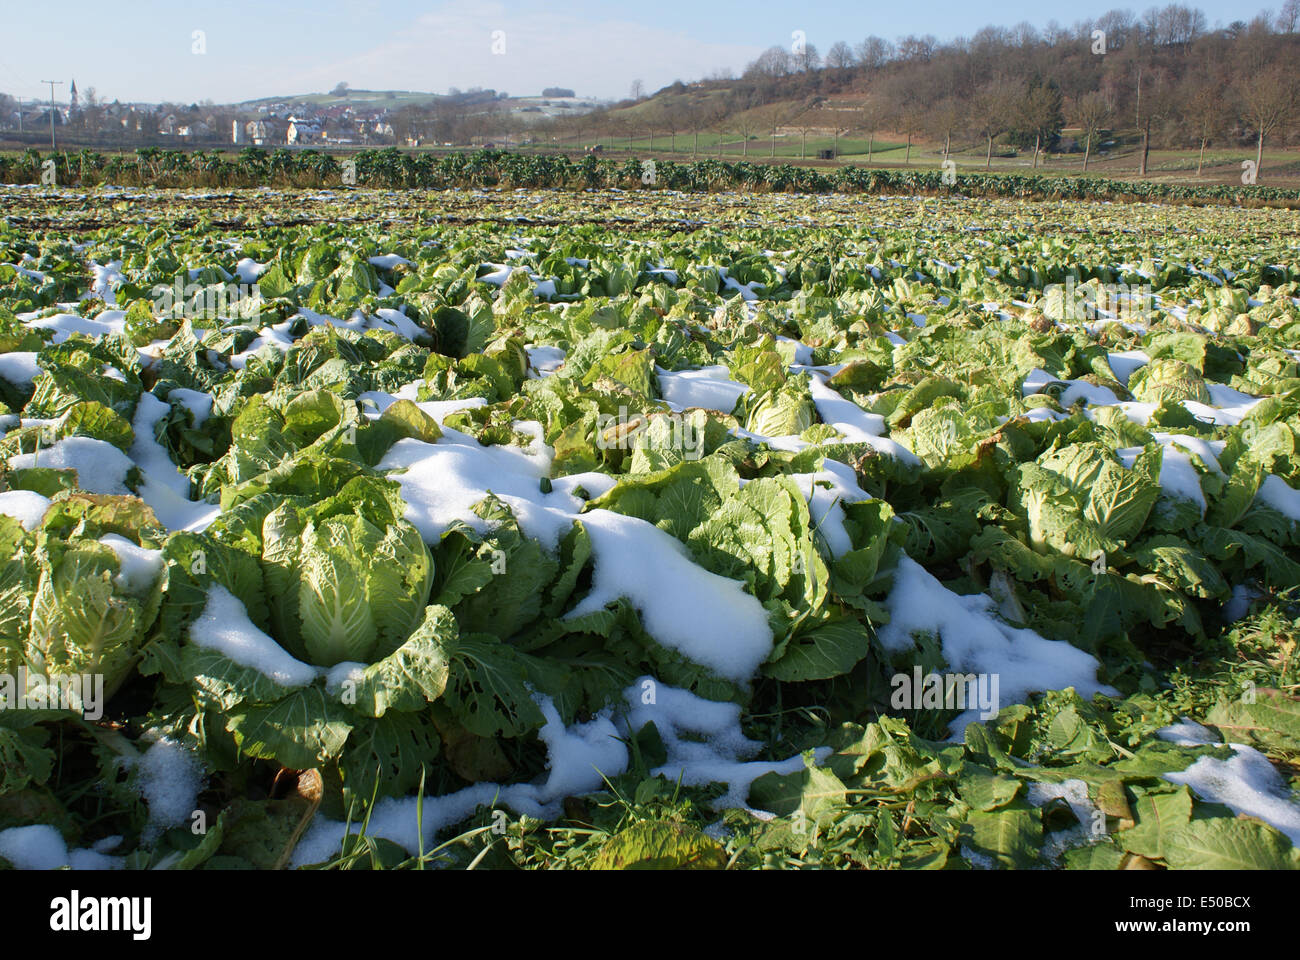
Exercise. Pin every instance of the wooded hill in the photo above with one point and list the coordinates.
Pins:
(1164, 78)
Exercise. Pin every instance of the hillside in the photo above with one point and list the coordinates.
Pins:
(1157, 95)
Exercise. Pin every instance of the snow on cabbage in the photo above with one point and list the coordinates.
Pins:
(775, 531)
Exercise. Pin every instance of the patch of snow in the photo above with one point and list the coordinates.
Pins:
(1281, 496)
(703, 740)
(1178, 477)
(19, 367)
(388, 260)
(248, 270)
(387, 318)
(169, 777)
(41, 847)
(803, 354)
(1075, 390)
(544, 360)
(710, 388)
(341, 673)
(1247, 784)
(976, 641)
(442, 481)
(707, 618)
(1188, 733)
(856, 425)
(108, 277)
(141, 567)
(196, 402)
(825, 490)
(65, 325)
(101, 467)
(165, 488)
(224, 626)
(25, 506)
(578, 758)
(1230, 401)
(1126, 362)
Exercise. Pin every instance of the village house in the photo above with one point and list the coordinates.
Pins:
(301, 132)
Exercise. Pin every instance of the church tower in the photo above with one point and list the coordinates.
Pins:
(72, 98)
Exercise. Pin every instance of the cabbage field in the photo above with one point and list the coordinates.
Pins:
(602, 529)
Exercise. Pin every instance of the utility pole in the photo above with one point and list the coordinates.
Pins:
(52, 84)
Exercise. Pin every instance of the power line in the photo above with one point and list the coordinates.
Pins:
(52, 84)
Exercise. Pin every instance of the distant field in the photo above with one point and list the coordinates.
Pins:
(1281, 167)
(732, 146)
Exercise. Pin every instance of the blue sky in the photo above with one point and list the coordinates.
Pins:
(145, 49)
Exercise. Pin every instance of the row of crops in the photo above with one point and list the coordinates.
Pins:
(393, 168)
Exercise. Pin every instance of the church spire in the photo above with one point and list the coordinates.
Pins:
(72, 96)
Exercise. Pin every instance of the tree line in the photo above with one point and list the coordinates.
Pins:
(1164, 79)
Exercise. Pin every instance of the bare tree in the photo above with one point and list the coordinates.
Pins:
(616, 125)
(910, 114)
(908, 108)
(840, 55)
(870, 115)
(773, 117)
(1288, 17)
(1205, 113)
(729, 119)
(1025, 34)
(700, 116)
(1155, 103)
(874, 53)
(941, 118)
(772, 62)
(1054, 34)
(917, 48)
(1037, 115)
(671, 117)
(990, 109)
(1268, 99)
(745, 124)
(1091, 113)
(1118, 25)
(808, 118)
(638, 90)
(840, 119)
(806, 59)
